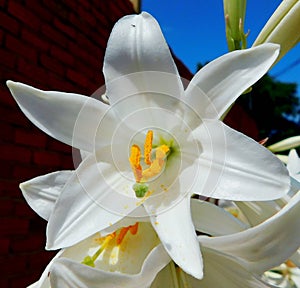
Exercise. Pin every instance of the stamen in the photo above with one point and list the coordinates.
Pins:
(157, 165)
(134, 159)
(90, 261)
(148, 147)
(133, 230)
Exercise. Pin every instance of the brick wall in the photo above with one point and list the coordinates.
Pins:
(53, 45)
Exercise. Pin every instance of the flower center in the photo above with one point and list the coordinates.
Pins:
(118, 236)
(152, 167)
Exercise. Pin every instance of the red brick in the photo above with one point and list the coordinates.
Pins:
(59, 146)
(6, 98)
(28, 244)
(66, 29)
(78, 23)
(79, 52)
(4, 283)
(54, 35)
(4, 246)
(8, 59)
(13, 116)
(60, 83)
(15, 153)
(9, 187)
(6, 207)
(32, 71)
(27, 278)
(13, 265)
(31, 138)
(1, 37)
(72, 4)
(67, 162)
(77, 77)
(6, 169)
(83, 14)
(9, 23)
(62, 55)
(26, 172)
(101, 20)
(57, 7)
(47, 158)
(13, 226)
(7, 131)
(2, 4)
(22, 209)
(38, 9)
(52, 64)
(21, 49)
(33, 39)
(23, 14)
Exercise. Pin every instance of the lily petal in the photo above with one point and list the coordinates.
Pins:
(233, 166)
(57, 114)
(88, 201)
(138, 60)
(293, 165)
(221, 270)
(179, 240)
(258, 211)
(258, 247)
(42, 192)
(68, 273)
(213, 220)
(218, 84)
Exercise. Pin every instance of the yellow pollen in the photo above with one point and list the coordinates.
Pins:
(135, 156)
(157, 165)
(148, 147)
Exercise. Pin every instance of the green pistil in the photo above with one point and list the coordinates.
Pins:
(140, 189)
(90, 261)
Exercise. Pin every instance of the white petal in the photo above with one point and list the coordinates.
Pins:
(90, 200)
(176, 231)
(266, 245)
(64, 116)
(67, 273)
(42, 192)
(138, 60)
(212, 220)
(257, 212)
(221, 270)
(294, 164)
(218, 84)
(232, 166)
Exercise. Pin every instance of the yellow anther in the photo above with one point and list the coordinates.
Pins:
(157, 165)
(148, 147)
(134, 159)
(290, 264)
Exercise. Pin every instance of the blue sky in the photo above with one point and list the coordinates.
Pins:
(195, 30)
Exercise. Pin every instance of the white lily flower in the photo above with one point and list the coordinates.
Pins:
(130, 257)
(156, 143)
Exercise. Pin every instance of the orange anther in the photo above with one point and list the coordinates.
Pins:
(134, 228)
(148, 147)
(122, 235)
(134, 159)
